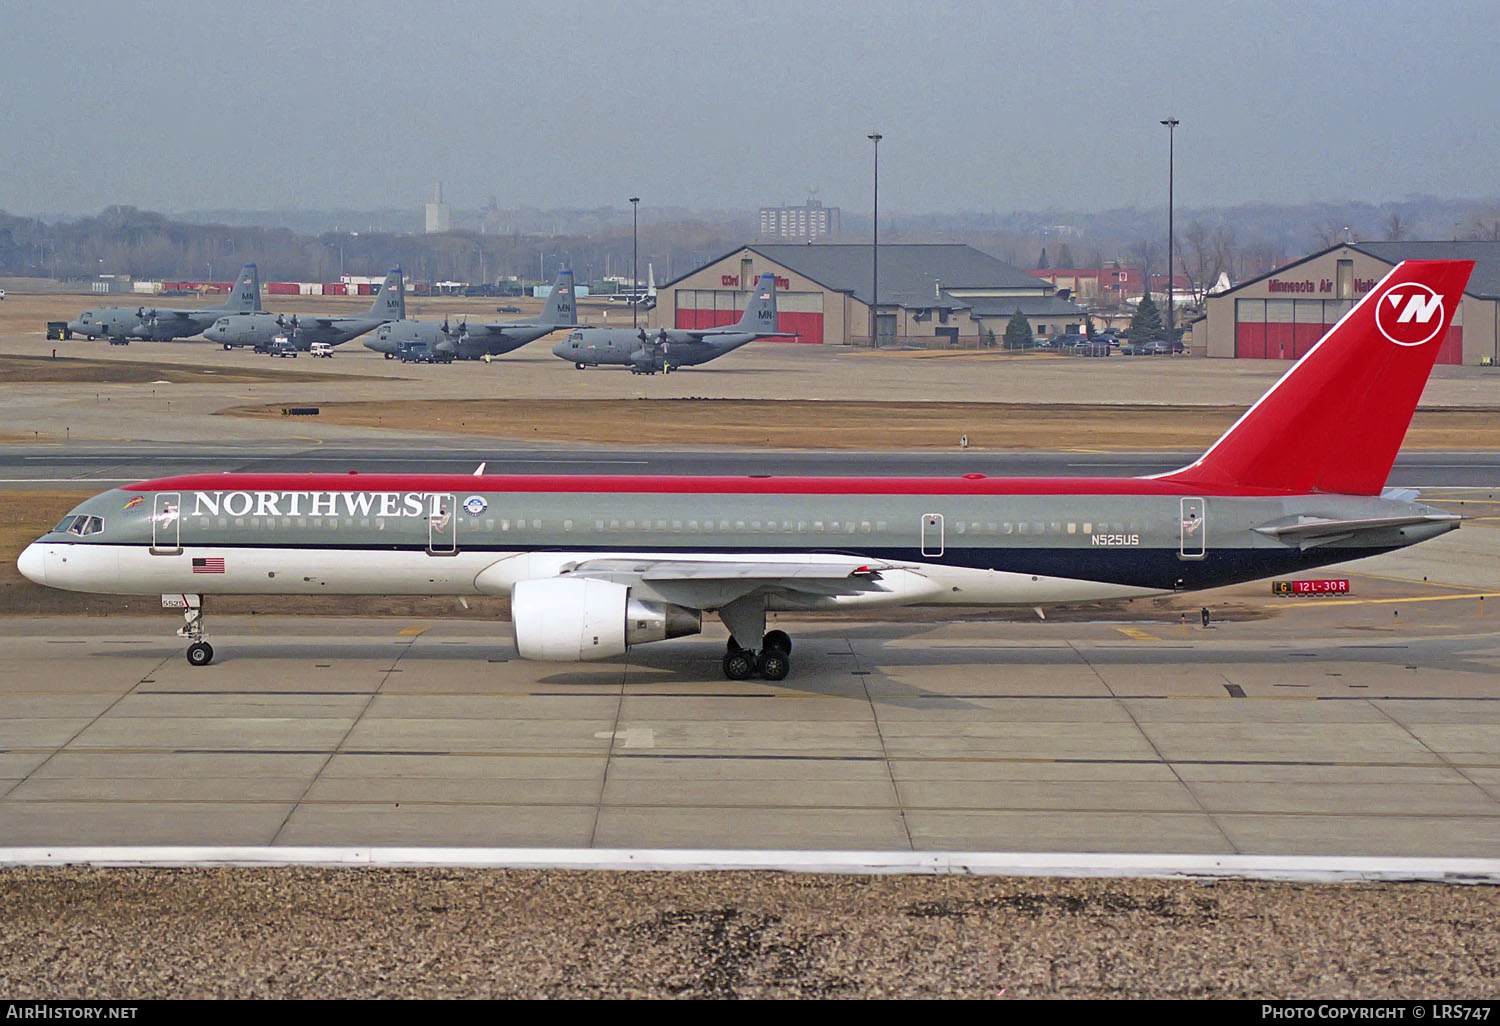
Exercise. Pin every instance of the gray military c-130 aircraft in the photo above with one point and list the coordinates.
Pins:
(302, 330)
(122, 323)
(464, 341)
(666, 349)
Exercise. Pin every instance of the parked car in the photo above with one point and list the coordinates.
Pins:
(419, 352)
(1091, 347)
(322, 349)
(507, 309)
(282, 346)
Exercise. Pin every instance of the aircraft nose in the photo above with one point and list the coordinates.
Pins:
(557, 350)
(33, 564)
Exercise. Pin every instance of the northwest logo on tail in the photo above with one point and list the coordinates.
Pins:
(1409, 314)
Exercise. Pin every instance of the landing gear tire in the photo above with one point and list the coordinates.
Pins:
(390, 356)
(227, 347)
(578, 365)
(739, 664)
(777, 641)
(774, 665)
(200, 653)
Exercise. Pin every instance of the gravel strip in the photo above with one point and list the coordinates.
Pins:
(84, 933)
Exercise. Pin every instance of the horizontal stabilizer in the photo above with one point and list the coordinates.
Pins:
(1310, 532)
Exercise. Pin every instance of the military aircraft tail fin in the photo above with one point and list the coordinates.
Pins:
(760, 311)
(246, 295)
(390, 301)
(562, 302)
(1336, 419)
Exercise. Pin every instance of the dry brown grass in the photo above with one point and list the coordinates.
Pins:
(83, 370)
(797, 424)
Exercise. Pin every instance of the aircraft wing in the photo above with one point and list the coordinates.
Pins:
(176, 315)
(702, 333)
(490, 330)
(710, 584)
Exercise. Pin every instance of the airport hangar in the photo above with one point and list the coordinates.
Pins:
(933, 294)
(1281, 315)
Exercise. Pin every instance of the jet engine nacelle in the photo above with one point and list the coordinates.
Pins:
(573, 618)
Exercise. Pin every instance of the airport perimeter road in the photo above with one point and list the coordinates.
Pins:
(23, 465)
(1329, 730)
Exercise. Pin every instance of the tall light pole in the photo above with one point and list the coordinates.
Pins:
(635, 206)
(1171, 124)
(875, 137)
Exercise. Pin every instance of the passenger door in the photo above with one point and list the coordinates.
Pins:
(1194, 538)
(166, 524)
(442, 526)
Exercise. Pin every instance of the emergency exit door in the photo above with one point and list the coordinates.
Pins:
(932, 534)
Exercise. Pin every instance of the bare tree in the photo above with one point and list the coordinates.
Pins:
(1484, 227)
(1395, 228)
(1146, 253)
(1330, 234)
(1206, 255)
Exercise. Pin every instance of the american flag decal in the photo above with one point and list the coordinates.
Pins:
(208, 565)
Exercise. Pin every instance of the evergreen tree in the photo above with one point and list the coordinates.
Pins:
(1147, 323)
(1018, 332)
(1065, 256)
(1041, 265)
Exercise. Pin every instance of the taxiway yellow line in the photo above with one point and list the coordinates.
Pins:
(1386, 601)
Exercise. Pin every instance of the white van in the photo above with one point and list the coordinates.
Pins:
(322, 349)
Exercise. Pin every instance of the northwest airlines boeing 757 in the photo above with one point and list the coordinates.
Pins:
(594, 565)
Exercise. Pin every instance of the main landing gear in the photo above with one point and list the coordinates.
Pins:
(746, 619)
(199, 652)
(773, 662)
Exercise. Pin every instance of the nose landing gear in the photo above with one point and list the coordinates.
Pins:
(199, 652)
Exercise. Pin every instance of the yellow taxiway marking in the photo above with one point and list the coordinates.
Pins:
(1137, 634)
(1407, 580)
(1389, 601)
(411, 632)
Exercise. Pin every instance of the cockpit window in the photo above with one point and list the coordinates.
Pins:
(63, 524)
(84, 526)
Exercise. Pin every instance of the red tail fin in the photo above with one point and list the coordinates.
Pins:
(1334, 422)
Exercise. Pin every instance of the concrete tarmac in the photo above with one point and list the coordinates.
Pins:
(1357, 726)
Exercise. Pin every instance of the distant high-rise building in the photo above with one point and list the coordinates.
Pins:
(803, 224)
(437, 212)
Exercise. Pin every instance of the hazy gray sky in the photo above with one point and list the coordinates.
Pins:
(984, 106)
